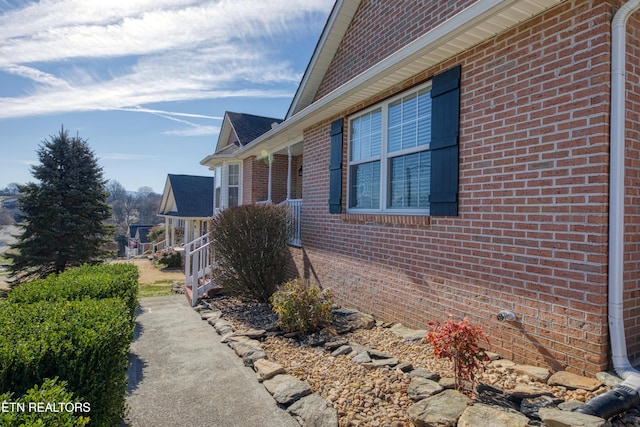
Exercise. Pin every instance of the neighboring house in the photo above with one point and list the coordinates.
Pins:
(242, 181)
(138, 240)
(456, 159)
(10, 203)
(187, 206)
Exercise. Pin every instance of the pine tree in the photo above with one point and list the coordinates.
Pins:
(64, 213)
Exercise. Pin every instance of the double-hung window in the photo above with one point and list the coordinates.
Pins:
(390, 157)
(234, 185)
(227, 182)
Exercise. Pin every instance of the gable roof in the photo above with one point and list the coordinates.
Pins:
(142, 234)
(134, 229)
(248, 126)
(471, 26)
(334, 30)
(238, 130)
(187, 196)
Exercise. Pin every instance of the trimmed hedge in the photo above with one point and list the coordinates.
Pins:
(88, 281)
(84, 343)
(28, 410)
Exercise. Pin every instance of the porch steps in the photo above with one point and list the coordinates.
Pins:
(203, 289)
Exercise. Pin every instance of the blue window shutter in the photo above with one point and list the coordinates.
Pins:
(445, 130)
(335, 168)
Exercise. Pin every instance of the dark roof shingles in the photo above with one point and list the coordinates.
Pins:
(193, 195)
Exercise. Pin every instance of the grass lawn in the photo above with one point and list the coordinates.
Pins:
(145, 291)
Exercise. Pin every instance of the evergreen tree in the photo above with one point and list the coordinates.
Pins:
(64, 213)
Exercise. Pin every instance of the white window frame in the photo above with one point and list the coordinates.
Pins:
(384, 158)
(239, 185)
(221, 179)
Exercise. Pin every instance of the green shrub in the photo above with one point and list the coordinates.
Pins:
(27, 411)
(85, 343)
(250, 244)
(88, 281)
(169, 258)
(301, 307)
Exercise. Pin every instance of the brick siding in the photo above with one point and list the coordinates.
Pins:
(531, 235)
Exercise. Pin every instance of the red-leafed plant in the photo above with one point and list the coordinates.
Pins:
(460, 343)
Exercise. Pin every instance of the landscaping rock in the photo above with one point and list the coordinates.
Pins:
(314, 411)
(344, 349)
(573, 381)
(332, 345)
(523, 391)
(252, 356)
(362, 358)
(208, 314)
(405, 367)
(608, 379)
(231, 337)
(448, 383)
(536, 373)
(423, 373)
(531, 406)
(381, 363)
(570, 405)
(502, 363)
(407, 333)
(375, 354)
(443, 409)
(254, 334)
(421, 388)
(492, 356)
(558, 418)
(349, 320)
(223, 327)
(480, 414)
(286, 388)
(244, 347)
(266, 369)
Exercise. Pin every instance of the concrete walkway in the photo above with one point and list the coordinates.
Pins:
(181, 375)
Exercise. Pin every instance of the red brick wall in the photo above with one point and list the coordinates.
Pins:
(379, 28)
(255, 185)
(531, 235)
(255, 175)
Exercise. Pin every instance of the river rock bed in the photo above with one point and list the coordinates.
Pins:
(391, 394)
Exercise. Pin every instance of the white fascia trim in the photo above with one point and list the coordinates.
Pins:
(453, 27)
(329, 30)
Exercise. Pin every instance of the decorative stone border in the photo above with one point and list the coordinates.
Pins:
(436, 401)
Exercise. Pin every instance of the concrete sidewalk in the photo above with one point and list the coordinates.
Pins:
(181, 375)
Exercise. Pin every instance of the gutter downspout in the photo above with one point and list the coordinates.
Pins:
(626, 395)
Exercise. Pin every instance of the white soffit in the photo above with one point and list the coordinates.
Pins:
(473, 25)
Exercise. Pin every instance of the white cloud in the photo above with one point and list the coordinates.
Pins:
(146, 51)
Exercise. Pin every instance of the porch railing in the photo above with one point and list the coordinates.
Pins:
(294, 224)
(160, 245)
(198, 266)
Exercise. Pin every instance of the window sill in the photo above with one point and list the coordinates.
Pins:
(386, 219)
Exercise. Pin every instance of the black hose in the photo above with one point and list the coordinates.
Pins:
(620, 399)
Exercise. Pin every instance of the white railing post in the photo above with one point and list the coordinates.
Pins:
(294, 225)
(289, 173)
(198, 264)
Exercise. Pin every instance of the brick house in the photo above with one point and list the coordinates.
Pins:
(456, 161)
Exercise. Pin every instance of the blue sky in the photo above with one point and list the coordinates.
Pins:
(146, 82)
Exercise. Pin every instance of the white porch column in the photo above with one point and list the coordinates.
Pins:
(187, 231)
(289, 173)
(173, 232)
(166, 231)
